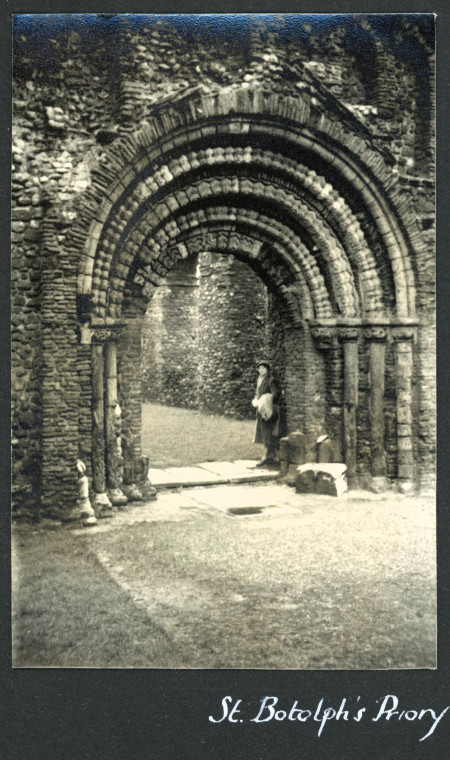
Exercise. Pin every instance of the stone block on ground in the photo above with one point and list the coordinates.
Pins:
(284, 449)
(310, 448)
(291, 475)
(326, 449)
(296, 448)
(325, 478)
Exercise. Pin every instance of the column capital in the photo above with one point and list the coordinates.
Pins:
(402, 333)
(348, 333)
(102, 334)
(375, 333)
(99, 333)
(326, 337)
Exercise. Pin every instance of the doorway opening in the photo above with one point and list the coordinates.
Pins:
(206, 327)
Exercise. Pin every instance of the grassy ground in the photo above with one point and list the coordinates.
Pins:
(316, 583)
(67, 612)
(174, 437)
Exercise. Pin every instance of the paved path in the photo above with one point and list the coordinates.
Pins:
(211, 473)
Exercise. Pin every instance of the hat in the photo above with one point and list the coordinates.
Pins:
(264, 362)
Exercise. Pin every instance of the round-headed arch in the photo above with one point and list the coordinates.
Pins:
(171, 164)
(275, 253)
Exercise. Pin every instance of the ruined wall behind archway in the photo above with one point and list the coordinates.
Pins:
(202, 335)
(170, 330)
(232, 319)
(77, 91)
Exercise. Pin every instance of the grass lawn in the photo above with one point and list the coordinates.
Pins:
(68, 612)
(174, 437)
(327, 584)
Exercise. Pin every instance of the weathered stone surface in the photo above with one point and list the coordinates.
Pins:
(378, 484)
(109, 123)
(321, 478)
(132, 492)
(326, 450)
(117, 497)
(185, 361)
(297, 448)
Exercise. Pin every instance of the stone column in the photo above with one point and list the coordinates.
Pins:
(135, 467)
(326, 338)
(403, 338)
(349, 338)
(101, 502)
(113, 480)
(376, 336)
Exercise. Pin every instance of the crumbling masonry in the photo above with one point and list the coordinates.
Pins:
(302, 149)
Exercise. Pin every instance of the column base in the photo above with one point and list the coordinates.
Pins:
(406, 487)
(81, 512)
(117, 497)
(379, 484)
(148, 491)
(87, 513)
(132, 493)
(90, 521)
(102, 505)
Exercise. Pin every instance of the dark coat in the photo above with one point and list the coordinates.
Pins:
(266, 431)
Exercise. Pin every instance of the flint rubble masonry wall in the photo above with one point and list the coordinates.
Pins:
(74, 94)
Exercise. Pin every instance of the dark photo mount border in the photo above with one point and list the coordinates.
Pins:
(63, 714)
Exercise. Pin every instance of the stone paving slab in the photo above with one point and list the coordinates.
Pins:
(239, 472)
(176, 477)
(248, 464)
(226, 469)
(210, 473)
(225, 497)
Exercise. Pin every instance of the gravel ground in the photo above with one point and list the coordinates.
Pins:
(281, 581)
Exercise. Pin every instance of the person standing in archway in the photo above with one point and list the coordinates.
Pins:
(266, 403)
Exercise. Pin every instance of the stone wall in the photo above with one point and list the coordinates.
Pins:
(170, 340)
(232, 310)
(203, 334)
(79, 89)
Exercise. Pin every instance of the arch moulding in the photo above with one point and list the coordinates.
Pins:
(181, 141)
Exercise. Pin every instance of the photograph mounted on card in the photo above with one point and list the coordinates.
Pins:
(223, 343)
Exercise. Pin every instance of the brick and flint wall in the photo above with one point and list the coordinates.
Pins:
(106, 170)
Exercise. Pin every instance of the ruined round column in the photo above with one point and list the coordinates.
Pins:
(403, 337)
(349, 337)
(376, 336)
(101, 502)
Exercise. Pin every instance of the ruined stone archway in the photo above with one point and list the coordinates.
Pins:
(319, 208)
